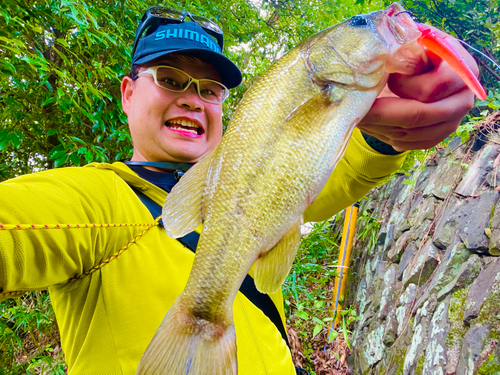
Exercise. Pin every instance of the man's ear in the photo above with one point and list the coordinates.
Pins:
(126, 89)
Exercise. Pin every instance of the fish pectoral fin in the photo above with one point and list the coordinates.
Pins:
(314, 112)
(182, 209)
(271, 269)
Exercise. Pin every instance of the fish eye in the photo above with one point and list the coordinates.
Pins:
(358, 21)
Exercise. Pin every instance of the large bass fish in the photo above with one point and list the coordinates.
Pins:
(282, 144)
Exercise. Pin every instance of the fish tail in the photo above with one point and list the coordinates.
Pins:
(185, 344)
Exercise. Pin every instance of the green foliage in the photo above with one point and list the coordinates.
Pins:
(59, 88)
(312, 262)
(29, 342)
(369, 227)
(308, 289)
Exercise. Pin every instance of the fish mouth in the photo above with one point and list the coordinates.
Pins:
(186, 127)
(402, 28)
(398, 29)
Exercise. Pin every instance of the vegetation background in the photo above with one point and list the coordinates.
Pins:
(61, 62)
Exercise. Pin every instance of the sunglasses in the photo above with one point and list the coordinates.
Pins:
(176, 80)
(164, 15)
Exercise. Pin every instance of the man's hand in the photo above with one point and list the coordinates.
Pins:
(419, 111)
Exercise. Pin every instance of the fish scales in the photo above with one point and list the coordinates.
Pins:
(282, 144)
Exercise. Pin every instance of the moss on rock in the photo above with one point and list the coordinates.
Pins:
(456, 311)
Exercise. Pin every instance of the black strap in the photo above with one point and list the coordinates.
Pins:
(162, 164)
(301, 371)
(248, 288)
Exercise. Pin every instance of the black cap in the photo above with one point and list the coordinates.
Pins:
(187, 38)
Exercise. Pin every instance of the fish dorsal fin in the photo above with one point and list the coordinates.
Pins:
(271, 269)
(181, 212)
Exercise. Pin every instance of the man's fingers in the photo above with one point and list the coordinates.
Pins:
(396, 135)
(407, 113)
(436, 84)
(439, 83)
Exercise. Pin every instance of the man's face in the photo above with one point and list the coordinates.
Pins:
(161, 122)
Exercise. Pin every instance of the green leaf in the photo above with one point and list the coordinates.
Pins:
(61, 160)
(12, 41)
(89, 156)
(16, 138)
(78, 140)
(332, 335)
(316, 330)
(4, 138)
(344, 330)
(302, 315)
(319, 304)
(316, 320)
(63, 42)
(74, 158)
(48, 100)
(51, 132)
(57, 151)
(36, 28)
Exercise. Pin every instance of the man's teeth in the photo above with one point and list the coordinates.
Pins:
(184, 125)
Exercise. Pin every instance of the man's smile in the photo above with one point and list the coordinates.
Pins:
(185, 127)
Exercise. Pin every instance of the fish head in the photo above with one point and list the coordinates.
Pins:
(364, 49)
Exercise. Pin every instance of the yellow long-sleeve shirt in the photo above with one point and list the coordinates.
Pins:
(113, 274)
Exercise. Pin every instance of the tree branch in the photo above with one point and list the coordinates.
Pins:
(489, 69)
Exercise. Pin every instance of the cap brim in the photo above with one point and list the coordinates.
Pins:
(228, 71)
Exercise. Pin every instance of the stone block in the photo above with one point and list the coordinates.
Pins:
(423, 178)
(446, 228)
(481, 288)
(472, 347)
(477, 213)
(474, 181)
(415, 351)
(405, 301)
(422, 265)
(468, 217)
(494, 243)
(372, 350)
(454, 257)
(396, 252)
(465, 276)
(444, 179)
(455, 148)
(410, 250)
(424, 211)
(435, 355)
(391, 330)
(386, 292)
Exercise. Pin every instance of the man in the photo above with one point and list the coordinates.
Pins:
(88, 234)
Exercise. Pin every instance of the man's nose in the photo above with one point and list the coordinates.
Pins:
(190, 98)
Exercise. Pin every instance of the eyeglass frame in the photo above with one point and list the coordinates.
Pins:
(153, 20)
(152, 70)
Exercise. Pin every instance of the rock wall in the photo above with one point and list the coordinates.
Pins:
(425, 279)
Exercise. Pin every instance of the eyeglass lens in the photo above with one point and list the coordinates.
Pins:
(175, 80)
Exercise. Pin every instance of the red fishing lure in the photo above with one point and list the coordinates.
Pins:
(440, 46)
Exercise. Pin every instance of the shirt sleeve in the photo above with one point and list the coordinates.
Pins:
(361, 169)
(52, 227)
